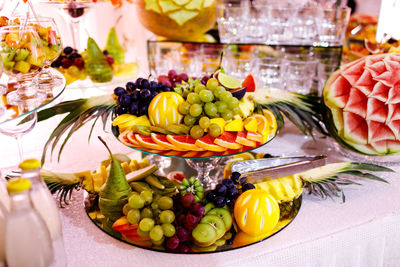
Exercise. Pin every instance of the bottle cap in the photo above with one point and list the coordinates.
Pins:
(18, 185)
(29, 165)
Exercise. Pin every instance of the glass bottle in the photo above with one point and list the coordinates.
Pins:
(44, 203)
(4, 209)
(27, 239)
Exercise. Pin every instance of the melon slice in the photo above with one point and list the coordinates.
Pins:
(363, 99)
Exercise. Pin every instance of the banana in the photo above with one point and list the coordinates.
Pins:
(140, 186)
(153, 180)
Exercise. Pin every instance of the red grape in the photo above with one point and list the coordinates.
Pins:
(197, 209)
(172, 242)
(79, 62)
(191, 221)
(183, 234)
(180, 220)
(66, 63)
(183, 248)
(183, 77)
(172, 74)
(110, 60)
(187, 200)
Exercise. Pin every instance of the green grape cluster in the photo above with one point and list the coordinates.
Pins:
(205, 102)
(153, 214)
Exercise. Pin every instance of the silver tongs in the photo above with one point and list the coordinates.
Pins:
(270, 168)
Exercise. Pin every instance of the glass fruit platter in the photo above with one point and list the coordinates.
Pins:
(182, 218)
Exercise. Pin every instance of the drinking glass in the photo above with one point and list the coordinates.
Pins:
(279, 26)
(299, 72)
(203, 168)
(256, 28)
(50, 36)
(331, 25)
(22, 57)
(237, 64)
(189, 62)
(210, 57)
(230, 23)
(268, 70)
(303, 26)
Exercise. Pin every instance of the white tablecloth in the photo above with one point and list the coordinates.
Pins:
(363, 231)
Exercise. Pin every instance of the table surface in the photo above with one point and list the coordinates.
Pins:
(363, 231)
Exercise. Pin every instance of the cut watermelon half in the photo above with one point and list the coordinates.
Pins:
(184, 142)
(241, 139)
(207, 142)
(228, 140)
(363, 103)
(147, 142)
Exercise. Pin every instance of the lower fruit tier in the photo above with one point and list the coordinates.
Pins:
(229, 240)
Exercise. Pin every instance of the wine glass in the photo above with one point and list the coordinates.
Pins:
(74, 12)
(18, 126)
(22, 57)
(50, 36)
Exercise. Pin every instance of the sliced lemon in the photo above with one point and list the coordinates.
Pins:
(250, 124)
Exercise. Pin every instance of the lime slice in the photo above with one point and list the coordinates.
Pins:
(229, 82)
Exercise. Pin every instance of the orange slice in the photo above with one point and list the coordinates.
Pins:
(273, 125)
(245, 156)
(227, 140)
(241, 139)
(207, 142)
(262, 124)
(184, 142)
(131, 137)
(123, 138)
(162, 140)
(253, 136)
(147, 142)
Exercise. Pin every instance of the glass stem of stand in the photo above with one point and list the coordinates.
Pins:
(18, 138)
(75, 31)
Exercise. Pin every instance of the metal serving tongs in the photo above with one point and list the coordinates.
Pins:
(259, 170)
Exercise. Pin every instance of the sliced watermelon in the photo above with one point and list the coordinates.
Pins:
(357, 103)
(376, 110)
(363, 99)
(249, 83)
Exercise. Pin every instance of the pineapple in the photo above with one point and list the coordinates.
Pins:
(323, 181)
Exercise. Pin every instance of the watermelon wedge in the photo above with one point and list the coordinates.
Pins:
(362, 100)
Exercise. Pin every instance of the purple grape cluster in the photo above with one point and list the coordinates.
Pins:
(188, 215)
(173, 78)
(136, 96)
(226, 192)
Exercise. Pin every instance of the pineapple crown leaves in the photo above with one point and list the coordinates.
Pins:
(304, 111)
(328, 179)
(79, 113)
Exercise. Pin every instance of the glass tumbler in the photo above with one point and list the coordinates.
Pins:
(331, 25)
(299, 72)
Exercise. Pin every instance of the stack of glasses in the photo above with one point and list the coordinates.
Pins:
(282, 24)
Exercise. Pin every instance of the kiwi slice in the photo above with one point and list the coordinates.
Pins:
(204, 234)
(159, 130)
(209, 206)
(178, 128)
(224, 214)
(216, 222)
(220, 242)
(197, 248)
(141, 129)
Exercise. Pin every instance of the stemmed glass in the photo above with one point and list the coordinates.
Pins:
(22, 57)
(50, 36)
(73, 11)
